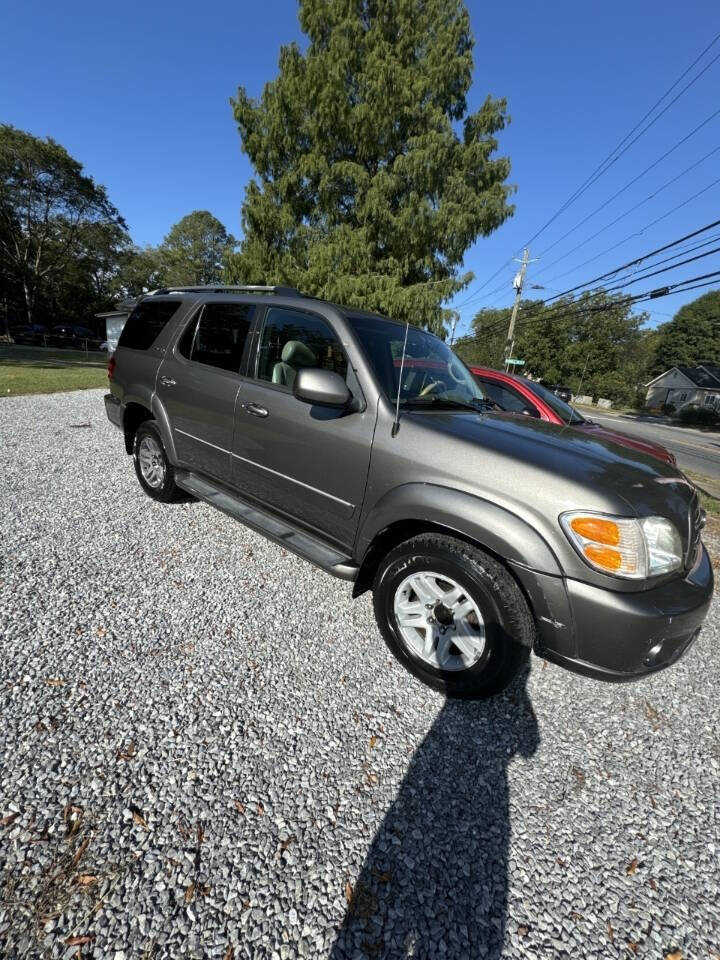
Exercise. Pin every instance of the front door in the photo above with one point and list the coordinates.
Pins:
(307, 461)
(198, 383)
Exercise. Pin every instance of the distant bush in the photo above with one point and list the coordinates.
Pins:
(639, 401)
(668, 408)
(703, 416)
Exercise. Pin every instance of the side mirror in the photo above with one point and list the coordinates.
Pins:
(321, 386)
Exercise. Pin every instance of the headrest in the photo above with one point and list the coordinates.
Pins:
(297, 354)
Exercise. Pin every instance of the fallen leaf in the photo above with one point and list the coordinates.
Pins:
(653, 886)
(632, 946)
(373, 741)
(10, 818)
(286, 843)
(544, 665)
(55, 682)
(86, 879)
(79, 941)
(128, 753)
(138, 817)
(240, 807)
(348, 892)
(229, 953)
(101, 631)
(72, 815)
(190, 892)
(260, 810)
(200, 834)
(677, 955)
(245, 906)
(631, 867)
(372, 779)
(523, 931)
(610, 932)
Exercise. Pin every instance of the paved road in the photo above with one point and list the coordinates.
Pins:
(694, 449)
(206, 751)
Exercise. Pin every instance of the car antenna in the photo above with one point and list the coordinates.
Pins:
(396, 423)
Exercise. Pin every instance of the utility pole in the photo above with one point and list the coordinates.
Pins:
(452, 329)
(518, 284)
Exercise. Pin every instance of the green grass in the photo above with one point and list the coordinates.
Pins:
(26, 370)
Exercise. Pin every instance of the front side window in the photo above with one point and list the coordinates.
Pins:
(146, 322)
(567, 414)
(293, 340)
(507, 398)
(431, 372)
(216, 337)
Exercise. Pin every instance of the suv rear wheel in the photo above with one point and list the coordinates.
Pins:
(154, 471)
(452, 615)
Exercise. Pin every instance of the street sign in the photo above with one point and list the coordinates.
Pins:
(516, 363)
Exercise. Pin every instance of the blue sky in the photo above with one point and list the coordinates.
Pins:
(139, 94)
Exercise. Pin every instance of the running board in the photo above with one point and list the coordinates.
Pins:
(282, 532)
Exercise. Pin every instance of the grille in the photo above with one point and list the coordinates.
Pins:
(697, 522)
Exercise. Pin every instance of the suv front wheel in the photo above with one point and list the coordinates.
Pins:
(452, 615)
(154, 471)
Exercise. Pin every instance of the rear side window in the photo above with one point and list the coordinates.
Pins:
(146, 323)
(217, 335)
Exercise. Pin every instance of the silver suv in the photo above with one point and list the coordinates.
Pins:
(368, 448)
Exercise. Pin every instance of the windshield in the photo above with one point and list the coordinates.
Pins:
(566, 413)
(431, 372)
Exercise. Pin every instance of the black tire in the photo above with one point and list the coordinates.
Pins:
(165, 490)
(508, 623)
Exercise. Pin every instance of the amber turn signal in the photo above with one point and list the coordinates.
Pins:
(597, 529)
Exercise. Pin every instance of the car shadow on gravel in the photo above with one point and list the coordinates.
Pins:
(434, 882)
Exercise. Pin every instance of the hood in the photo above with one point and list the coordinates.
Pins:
(540, 469)
(636, 443)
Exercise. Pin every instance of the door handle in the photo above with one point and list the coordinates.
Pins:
(255, 410)
(167, 381)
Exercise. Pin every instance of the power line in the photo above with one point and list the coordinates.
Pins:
(631, 236)
(655, 273)
(637, 260)
(635, 179)
(611, 158)
(577, 311)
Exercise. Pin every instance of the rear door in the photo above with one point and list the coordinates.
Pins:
(307, 461)
(198, 384)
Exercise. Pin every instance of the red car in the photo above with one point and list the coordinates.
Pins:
(519, 395)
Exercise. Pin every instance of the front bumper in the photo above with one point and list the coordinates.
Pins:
(619, 636)
(113, 409)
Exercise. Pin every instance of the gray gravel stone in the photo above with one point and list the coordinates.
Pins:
(187, 712)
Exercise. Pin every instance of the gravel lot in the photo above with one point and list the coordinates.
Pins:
(207, 751)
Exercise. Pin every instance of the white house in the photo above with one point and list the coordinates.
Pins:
(681, 386)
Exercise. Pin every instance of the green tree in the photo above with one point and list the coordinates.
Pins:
(372, 179)
(485, 345)
(693, 335)
(47, 207)
(140, 270)
(195, 250)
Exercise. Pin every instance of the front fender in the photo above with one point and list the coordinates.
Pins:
(489, 525)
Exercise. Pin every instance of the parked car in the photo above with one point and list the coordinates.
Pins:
(565, 393)
(481, 535)
(520, 395)
(74, 337)
(32, 334)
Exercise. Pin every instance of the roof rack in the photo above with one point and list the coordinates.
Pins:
(226, 288)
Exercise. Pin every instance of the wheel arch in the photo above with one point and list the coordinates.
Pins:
(133, 416)
(424, 508)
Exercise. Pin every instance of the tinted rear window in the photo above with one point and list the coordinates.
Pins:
(146, 323)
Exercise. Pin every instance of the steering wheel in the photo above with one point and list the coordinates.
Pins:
(461, 378)
(431, 387)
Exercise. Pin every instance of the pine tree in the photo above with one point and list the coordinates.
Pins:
(372, 179)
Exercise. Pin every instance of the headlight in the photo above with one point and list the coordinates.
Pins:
(632, 549)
